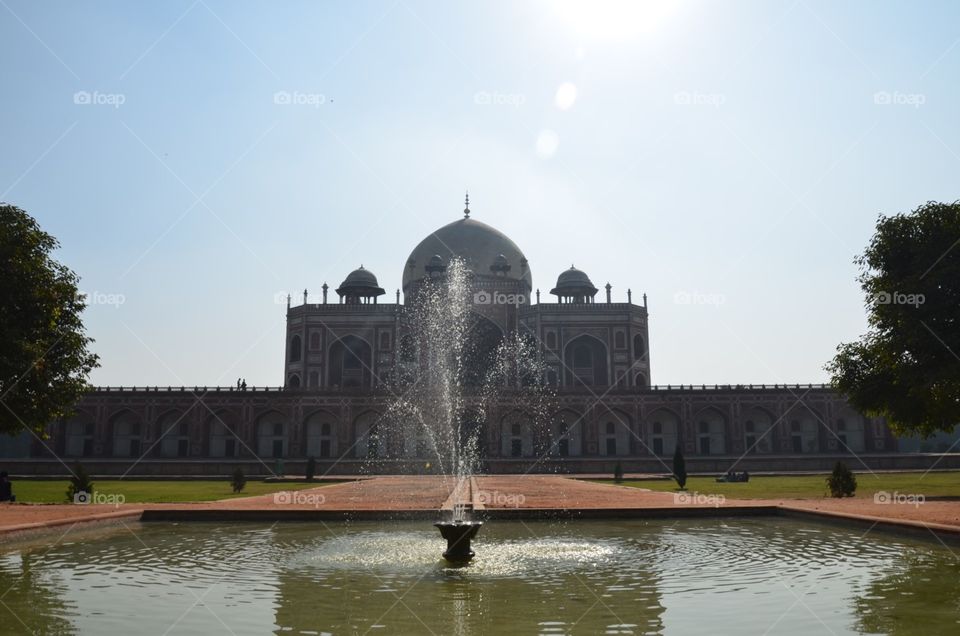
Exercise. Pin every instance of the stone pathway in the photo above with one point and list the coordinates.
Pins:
(498, 494)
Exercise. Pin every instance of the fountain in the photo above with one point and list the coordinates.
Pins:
(458, 535)
(458, 532)
(453, 364)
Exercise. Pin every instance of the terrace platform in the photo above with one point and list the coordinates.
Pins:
(492, 497)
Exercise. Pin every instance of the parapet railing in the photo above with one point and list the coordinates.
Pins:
(190, 389)
(734, 387)
(280, 389)
(572, 306)
(384, 308)
(525, 306)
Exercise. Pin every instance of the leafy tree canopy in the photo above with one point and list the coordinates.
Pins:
(907, 366)
(44, 356)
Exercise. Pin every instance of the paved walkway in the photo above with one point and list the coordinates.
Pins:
(499, 494)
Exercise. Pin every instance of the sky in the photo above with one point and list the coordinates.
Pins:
(198, 160)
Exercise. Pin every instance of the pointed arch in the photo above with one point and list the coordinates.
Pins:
(79, 434)
(516, 434)
(758, 423)
(272, 431)
(320, 434)
(126, 434)
(804, 426)
(171, 434)
(369, 435)
(710, 431)
(586, 362)
(222, 434)
(663, 431)
(350, 363)
(639, 346)
(851, 427)
(614, 432)
(567, 433)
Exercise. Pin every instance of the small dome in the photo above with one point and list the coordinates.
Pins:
(360, 276)
(574, 277)
(436, 259)
(360, 282)
(574, 282)
(500, 260)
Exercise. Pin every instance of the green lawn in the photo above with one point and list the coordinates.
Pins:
(937, 484)
(152, 491)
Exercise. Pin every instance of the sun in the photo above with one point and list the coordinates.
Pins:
(614, 19)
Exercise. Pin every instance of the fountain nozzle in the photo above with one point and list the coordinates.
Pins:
(458, 535)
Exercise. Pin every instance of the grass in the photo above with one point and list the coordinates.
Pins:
(937, 484)
(152, 491)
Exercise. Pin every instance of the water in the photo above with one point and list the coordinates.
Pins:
(454, 366)
(745, 576)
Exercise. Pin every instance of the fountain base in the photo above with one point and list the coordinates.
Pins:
(458, 535)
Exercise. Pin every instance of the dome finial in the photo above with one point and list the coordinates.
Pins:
(466, 209)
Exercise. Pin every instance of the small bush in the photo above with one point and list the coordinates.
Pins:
(841, 481)
(679, 468)
(79, 483)
(311, 468)
(239, 480)
(618, 473)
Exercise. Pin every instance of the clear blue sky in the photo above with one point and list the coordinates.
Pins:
(732, 154)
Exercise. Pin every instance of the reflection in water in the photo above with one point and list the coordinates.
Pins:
(911, 597)
(626, 577)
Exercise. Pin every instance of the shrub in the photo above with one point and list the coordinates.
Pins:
(311, 468)
(239, 480)
(679, 468)
(618, 473)
(79, 483)
(841, 481)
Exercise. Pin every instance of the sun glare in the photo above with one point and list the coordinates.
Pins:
(615, 19)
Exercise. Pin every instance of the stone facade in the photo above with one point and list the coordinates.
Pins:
(338, 354)
(206, 431)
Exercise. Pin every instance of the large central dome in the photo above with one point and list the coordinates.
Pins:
(476, 243)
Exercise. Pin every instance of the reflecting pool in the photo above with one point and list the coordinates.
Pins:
(709, 576)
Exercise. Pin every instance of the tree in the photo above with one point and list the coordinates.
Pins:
(44, 359)
(841, 481)
(311, 468)
(80, 483)
(906, 368)
(239, 480)
(679, 468)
